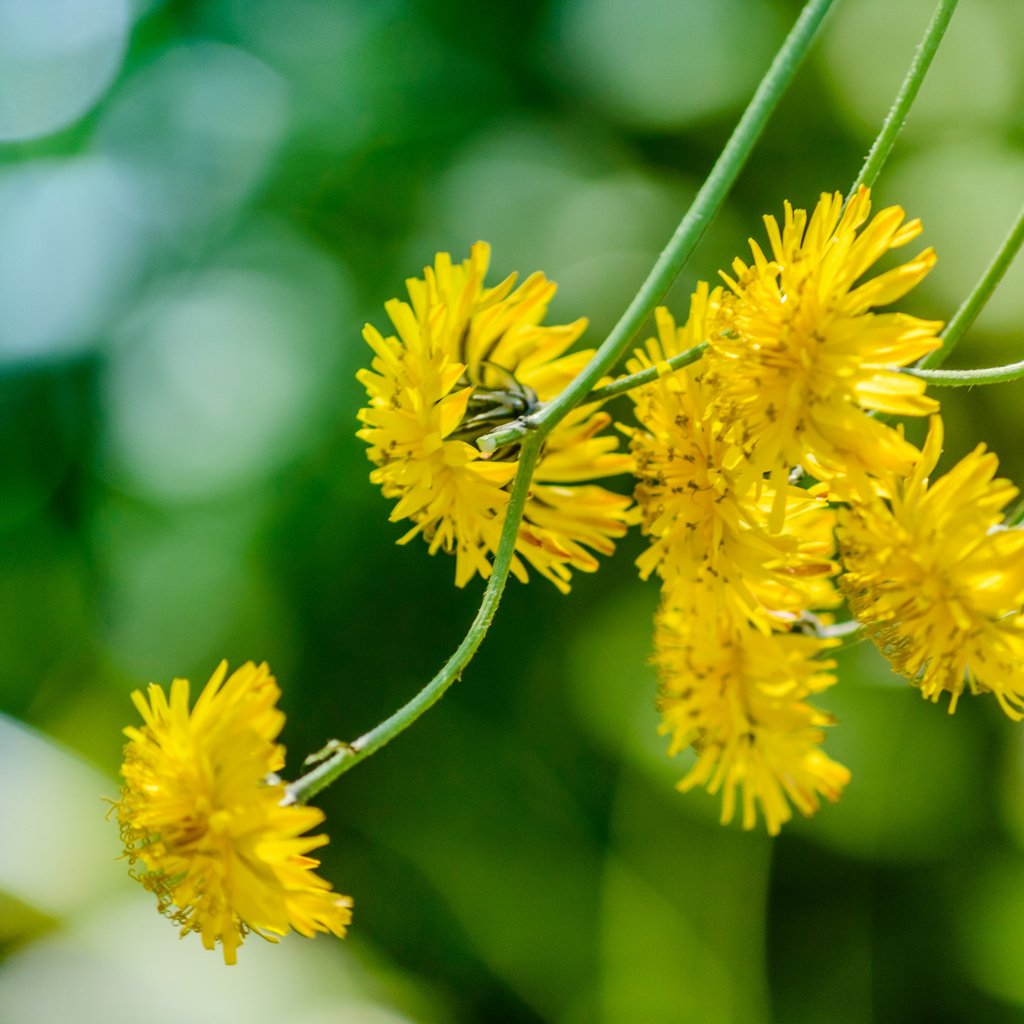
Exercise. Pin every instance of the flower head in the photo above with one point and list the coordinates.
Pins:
(938, 581)
(798, 359)
(738, 696)
(466, 359)
(202, 818)
(706, 516)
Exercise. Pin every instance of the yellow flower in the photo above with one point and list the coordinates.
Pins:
(938, 581)
(737, 695)
(466, 359)
(798, 358)
(706, 516)
(201, 811)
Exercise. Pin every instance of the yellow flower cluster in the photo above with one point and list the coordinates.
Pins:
(204, 818)
(464, 360)
(938, 580)
(798, 365)
(752, 464)
(738, 696)
(798, 360)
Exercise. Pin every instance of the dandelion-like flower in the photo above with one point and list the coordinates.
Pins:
(938, 581)
(705, 515)
(798, 358)
(738, 696)
(466, 359)
(202, 817)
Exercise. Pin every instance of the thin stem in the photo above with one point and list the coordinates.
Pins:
(968, 378)
(974, 303)
(849, 633)
(1016, 515)
(638, 380)
(707, 202)
(897, 115)
(349, 755)
(682, 243)
(848, 642)
(840, 629)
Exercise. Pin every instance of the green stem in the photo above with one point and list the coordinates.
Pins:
(973, 304)
(349, 755)
(683, 242)
(897, 115)
(1016, 515)
(638, 380)
(707, 202)
(968, 378)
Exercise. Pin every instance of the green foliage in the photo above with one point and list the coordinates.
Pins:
(184, 269)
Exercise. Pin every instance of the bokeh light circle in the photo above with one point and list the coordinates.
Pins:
(57, 58)
(669, 65)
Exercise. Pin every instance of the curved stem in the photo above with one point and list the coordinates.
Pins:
(532, 431)
(652, 373)
(706, 203)
(975, 302)
(349, 755)
(895, 119)
(968, 378)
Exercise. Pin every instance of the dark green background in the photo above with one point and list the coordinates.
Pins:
(184, 272)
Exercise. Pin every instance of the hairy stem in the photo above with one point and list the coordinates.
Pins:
(897, 116)
(968, 378)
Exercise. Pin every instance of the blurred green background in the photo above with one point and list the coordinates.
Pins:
(200, 204)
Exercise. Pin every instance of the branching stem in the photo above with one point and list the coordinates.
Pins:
(530, 433)
(693, 225)
(652, 373)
